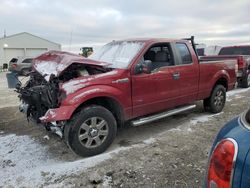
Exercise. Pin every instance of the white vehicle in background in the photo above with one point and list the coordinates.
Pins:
(203, 50)
(212, 50)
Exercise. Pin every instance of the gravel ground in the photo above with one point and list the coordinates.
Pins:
(172, 152)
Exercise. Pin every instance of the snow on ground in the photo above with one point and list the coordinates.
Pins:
(203, 118)
(19, 156)
(237, 91)
(24, 162)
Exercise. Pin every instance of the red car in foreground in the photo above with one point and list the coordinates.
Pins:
(141, 80)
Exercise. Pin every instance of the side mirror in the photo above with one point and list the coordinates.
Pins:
(144, 67)
(147, 67)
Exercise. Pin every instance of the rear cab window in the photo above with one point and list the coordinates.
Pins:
(184, 53)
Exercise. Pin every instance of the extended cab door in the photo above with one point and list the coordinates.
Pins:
(158, 90)
(188, 71)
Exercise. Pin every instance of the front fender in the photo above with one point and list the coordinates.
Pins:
(85, 94)
(74, 100)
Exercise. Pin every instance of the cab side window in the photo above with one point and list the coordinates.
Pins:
(184, 53)
(160, 55)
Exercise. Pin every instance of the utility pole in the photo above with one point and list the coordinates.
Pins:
(4, 33)
(70, 39)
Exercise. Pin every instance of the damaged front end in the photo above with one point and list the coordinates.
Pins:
(38, 95)
(43, 94)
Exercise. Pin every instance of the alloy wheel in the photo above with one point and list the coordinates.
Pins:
(93, 132)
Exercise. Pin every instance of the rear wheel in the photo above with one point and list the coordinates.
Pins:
(91, 131)
(216, 102)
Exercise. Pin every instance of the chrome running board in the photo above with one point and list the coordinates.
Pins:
(155, 117)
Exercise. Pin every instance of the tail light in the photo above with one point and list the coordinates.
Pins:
(241, 62)
(14, 65)
(221, 166)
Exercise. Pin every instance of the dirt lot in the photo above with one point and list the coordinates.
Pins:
(169, 153)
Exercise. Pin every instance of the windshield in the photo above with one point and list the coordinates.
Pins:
(235, 51)
(118, 54)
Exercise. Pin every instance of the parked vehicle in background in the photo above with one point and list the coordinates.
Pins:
(242, 54)
(142, 80)
(21, 65)
(5, 67)
(86, 51)
(212, 50)
(229, 161)
(200, 49)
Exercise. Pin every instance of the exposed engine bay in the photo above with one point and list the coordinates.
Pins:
(38, 94)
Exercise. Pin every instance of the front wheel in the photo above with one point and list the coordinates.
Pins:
(216, 102)
(91, 131)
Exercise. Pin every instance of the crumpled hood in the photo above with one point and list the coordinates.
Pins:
(55, 62)
(73, 85)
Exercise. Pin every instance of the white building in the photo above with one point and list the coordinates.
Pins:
(24, 44)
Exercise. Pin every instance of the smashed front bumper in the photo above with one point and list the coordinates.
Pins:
(58, 114)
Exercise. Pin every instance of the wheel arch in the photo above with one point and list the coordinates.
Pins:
(107, 102)
(221, 81)
(220, 78)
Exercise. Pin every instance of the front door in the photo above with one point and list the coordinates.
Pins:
(158, 90)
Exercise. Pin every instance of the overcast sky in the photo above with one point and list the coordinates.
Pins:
(95, 22)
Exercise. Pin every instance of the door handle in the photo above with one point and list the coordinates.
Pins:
(176, 75)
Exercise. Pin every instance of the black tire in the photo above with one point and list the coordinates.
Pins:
(216, 102)
(73, 130)
(245, 83)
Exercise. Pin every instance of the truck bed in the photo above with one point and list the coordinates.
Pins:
(208, 73)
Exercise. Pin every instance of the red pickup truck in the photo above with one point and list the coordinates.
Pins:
(84, 100)
(242, 55)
